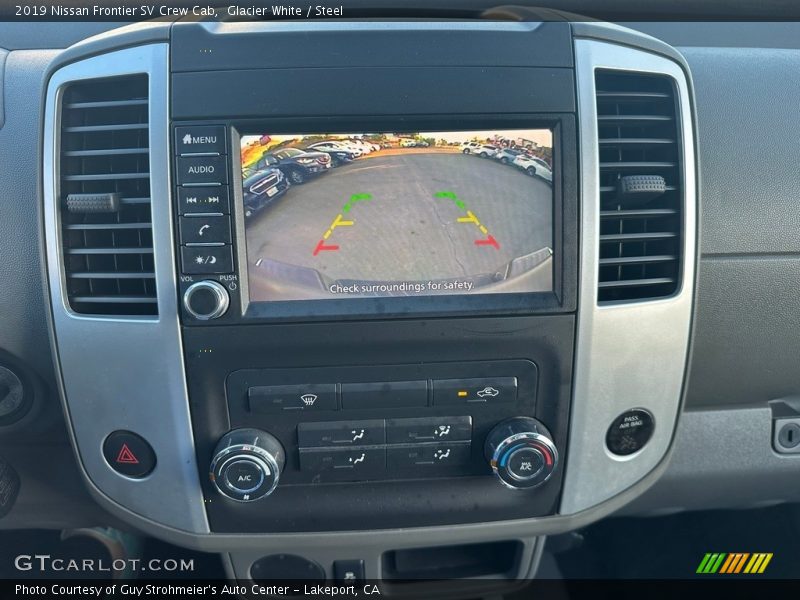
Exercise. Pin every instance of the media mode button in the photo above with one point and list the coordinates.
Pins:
(210, 199)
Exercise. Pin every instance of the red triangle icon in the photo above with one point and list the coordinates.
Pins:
(127, 457)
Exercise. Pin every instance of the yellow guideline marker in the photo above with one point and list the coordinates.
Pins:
(339, 221)
(470, 218)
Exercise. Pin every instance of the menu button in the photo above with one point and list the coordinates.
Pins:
(200, 140)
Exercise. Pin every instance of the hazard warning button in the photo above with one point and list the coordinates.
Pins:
(129, 454)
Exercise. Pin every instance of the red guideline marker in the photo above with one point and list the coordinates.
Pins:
(321, 246)
(489, 241)
(126, 457)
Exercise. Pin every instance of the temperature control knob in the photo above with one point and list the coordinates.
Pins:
(521, 452)
(206, 300)
(247, 464)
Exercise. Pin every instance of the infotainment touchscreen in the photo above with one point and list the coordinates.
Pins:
(367, 215)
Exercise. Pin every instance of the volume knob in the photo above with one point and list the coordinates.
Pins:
(206, 300)
(247, 464)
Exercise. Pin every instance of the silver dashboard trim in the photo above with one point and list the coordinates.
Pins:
(629, 354)
(111, 378)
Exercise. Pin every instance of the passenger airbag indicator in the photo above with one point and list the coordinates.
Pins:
(630, 431)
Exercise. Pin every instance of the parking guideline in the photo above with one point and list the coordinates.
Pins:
(339, 221)
(470, 217)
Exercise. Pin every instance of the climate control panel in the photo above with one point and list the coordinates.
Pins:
(398, 422)
(398, 444)
(247, 463)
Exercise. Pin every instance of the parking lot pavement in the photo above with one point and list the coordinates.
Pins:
(403, 231)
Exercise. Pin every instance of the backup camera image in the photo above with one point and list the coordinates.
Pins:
(368, 215)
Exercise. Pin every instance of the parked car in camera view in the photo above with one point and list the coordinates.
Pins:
(262, 187)
(298, 165)
(469, 147)
(350, 146)
(486, 150)
(347, 146)
(507, 155)
(358, 147)
(366, 146)
(339, 154)
(533, 166)
(412, 143)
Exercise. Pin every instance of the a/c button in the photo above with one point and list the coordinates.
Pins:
(525, 463)
(243, 476)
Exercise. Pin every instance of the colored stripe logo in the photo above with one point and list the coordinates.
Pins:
(734, 563)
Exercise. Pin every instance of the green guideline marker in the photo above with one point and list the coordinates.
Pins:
(355, 198)
(451, 196)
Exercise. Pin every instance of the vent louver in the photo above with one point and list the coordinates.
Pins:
(104, 198)
(641, 195)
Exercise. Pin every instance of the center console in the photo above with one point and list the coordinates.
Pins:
(445, 294)
(328, 257)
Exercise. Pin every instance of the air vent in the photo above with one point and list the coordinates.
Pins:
(641, 195)
(105, 197)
